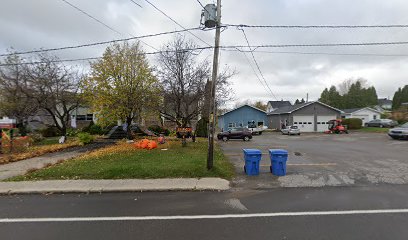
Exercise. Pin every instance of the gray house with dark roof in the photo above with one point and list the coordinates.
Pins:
(309, 117)
(273, 105)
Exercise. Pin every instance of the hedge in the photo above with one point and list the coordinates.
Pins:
(353, 123)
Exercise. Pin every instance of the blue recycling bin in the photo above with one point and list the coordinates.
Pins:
(278, 161)
(252, 158)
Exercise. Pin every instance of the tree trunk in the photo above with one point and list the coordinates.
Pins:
(128, 130)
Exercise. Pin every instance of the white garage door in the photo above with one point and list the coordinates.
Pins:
(304, 123)
(322, 122)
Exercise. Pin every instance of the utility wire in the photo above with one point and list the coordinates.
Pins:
(136, 3)
(327, 53)
(94, 18)
(230, 47)
(225, 48)
(317, 26)
(104, 24)
(97, 43)
(178, 24)
(257, 65)
(96, 58)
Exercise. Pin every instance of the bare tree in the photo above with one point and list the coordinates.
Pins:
(344, 87)
(13, 102)
(54, 88)
(185, 82)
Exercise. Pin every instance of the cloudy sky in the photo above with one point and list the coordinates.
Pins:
(290, 72)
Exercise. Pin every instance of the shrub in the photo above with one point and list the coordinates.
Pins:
(159, 130)
(201, 128)
(36, 137)
(85, 138)
(50, 132)
(71, 132)
(353, 123)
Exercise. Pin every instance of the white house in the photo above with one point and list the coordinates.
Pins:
(366, 114)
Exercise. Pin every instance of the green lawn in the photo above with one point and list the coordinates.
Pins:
(373, 129)
(123, 161)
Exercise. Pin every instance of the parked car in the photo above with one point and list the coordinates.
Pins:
(381, 123)
(291, 130)
(256, 129)
(400, 132)
(235, 133)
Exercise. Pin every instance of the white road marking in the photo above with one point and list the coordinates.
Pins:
(199, 217)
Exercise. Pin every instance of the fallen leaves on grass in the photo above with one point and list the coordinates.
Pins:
(37, 151)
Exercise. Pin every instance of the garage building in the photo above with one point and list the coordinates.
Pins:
(309, 117)
(239, 117)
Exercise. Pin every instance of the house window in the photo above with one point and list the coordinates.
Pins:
(89, 117)
(230, 125)
(304, 122)
(318, 122)
(309, 123)
(80, 117)
(295, 123)
(374, 117)
(260, 124)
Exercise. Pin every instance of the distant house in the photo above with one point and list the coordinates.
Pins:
(309, 117)
(273, 105)
(385, 103)
(239, 117)
(366, 114)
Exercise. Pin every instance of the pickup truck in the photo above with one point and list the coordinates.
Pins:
(256, 129)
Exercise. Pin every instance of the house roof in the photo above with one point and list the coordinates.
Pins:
(279, 104)
(352, 110)
(383, 101)
(241, 107)
(293, 108)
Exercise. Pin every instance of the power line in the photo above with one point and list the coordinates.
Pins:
(329, 53)
(136, 3)
(200, 4)
(97, 43)
(104, 24)
(178, 24)
(252, 48)
(317, 26)
(257, 65)
(94, 18)
(96, 58)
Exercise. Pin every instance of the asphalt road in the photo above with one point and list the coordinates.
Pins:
(317, 160)
(281, 213)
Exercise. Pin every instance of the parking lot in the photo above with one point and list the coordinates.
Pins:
(318, 159)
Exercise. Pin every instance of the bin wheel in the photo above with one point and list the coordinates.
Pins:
(244, 169)
(270, 168)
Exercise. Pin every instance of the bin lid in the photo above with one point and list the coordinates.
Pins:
(251, 151)
(278, 151)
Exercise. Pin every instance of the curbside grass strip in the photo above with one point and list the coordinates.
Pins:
(125, 185)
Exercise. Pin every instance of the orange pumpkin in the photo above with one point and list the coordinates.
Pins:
(151, 145)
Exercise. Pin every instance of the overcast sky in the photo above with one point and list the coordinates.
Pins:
(27, 25)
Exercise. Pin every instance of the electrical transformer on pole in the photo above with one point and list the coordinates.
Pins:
(212, 18)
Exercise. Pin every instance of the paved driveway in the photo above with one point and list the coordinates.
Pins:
(324, 160)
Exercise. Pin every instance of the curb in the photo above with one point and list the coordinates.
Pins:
(120, 185)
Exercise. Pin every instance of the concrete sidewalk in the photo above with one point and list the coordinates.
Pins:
(125, 185)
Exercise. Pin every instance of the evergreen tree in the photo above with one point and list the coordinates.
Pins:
(297, 101)
(302, 101)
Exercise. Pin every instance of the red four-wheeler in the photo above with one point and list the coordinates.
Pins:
(336, 126)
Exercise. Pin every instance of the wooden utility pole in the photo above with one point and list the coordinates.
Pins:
(213, 108)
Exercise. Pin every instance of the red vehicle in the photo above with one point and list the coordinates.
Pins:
(336, 126)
